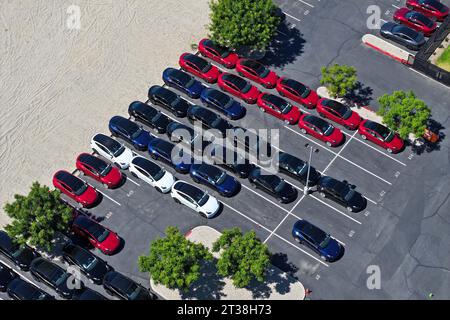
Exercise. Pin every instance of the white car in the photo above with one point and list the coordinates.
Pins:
(112, 150)
(152, 173)
(191, 196)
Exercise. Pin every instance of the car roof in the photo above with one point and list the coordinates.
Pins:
(199, 61)
(375, 126)
(274, 99)
(92, 161)
(174, 125)
(318, 122)
(311, 230)
(214, 93)
(238, 81)
(143, 107)
(6, 241)
(208, 169)
(289, 159)
(147, 165)
(187, 188)
(162, 145)
(77, 252)
(332, 183)
(213, 45)
(23, 288)
(124, 123)
(88, 224)
(294, 84)
(106, 141)
(47, 268)
(69, 178)
(161, 91)
(175, 73)
(120, 281)
(253, 64)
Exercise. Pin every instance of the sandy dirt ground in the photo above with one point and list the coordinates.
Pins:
(60, 86)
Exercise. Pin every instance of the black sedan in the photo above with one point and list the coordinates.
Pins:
(20, 289)
(130, 131)
(21, 256)
(92, 266)
(55, 277)
(184, 82)
(123, 287)
(178, 132)
(273, 185)
(341, 192)
(230, 160)
(209, 119)
(88, 294)
(169, 100)
(403, 35)
(297, 169)
(148, 115)
(6, 276)
(223, 103)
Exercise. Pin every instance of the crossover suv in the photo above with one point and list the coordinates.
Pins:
(148, 115)
(112, 150)
(257, 72)
(273, 185)
(215, 178)
(192, 197)
(297, 92)
(75, 188)
(130, 131)
(339, 113)
(124, 288)
(403, 35)
(199, 67)
(151, 173)
(100, 170)
(320, 129)
(297, 168)
(381, 135)
(21, 256)
(20, 289)
(342, 193)
(219, 54)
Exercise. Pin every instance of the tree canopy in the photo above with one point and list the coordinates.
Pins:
(339, 79)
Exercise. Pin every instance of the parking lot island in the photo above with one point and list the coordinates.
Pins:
(386, 48)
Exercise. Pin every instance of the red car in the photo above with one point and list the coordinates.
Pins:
(257, 72)
(278, 107)
(220, 54)
(75, 188)
(381, 135)
(238, 87)
(415, 20)
(431, 8)
(99, 169)
(199, 67)
(100, 237)
(339, 113)
(298, 92)
(322, 130)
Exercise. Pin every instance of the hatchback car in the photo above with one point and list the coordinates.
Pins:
(341, 192)
(321, 130)
(415, 20)
(124, 288)
(169, 100)
(194, 198)
(151, 173)
(273, 185)
(297, 92)
(223, 103)
(199, 67)
(381, 135)
(182, 81)
(230, 160)
(298, 169)
(339, 113)
(278, 107)
(75, 188)
(209, 120)
(220, 54)
(130, 131)
(112, 150)
(238, 87)
(20, 289)
(99, 170)
(318, 240)
(257, 72)
(148, 115)
(175, 156)
(21, 256)
(431, 8)
(178, 132)
(88, 294)
(403, 35)
(215, 178)
(6, 276)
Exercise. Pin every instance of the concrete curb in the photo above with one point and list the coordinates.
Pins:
(387, 48)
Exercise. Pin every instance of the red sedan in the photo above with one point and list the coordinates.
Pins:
(278, 107)
(298, 92)
(220, 54)
(238, 87)
(339, 113)
(199, 67)
(320, 129)
(415, 20)
(75, 188)
(431, 8)
(257, 72)
(381, 135)
(99, 169)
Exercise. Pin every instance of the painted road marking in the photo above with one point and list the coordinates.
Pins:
(109, 197)
(308, 4)
(292, 16)
(338, 211)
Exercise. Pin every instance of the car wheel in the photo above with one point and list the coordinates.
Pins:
(287, 122)
(262, 109)
(303, 131)
(363, 137)
(349, 209)
(158, 189)
(322, 115)
(154, 156)
(176, 201)
(328, 143)
(94, 152)
(323, 258)
(203, 215)
(389, 150)
(322, 194)
(195, 180)
(298, 240)
(240, 73)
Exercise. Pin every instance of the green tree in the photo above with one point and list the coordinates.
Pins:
(339, 79)
(243, 258)
(174, 261)
(404, 113)
(37, 216)
(237, 23)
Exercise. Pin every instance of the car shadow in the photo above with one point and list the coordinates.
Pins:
(428, 146)
(360, 95)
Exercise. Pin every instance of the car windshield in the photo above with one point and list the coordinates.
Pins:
(90, 263)
(223, 100)
(105, 170)
(328, 129)
(159, 174)
(243, 85)
(390, 136)
(157, 116)
(203, 199)
(348, 193)
(118, 151)
(215, 122)
(298, 87)
(136, 134)
(80, 188)
(17, 250)
(261, 70)
(325, 241)
(344, 111)
(421, 18)
(280, 185)
(247, 88)
(61, 278)
(101, 235)
(286, 108)
(134, 291)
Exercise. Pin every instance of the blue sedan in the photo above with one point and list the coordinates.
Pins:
(318, 240)
(178, 158)
(130, 131)
(215, 178)
(222, 102)
(184, 82)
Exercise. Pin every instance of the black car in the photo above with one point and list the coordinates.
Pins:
(6, 276)
(209, 119)
(149, 116)
(403, 35)
(130, 131)
(230, 160)
(273, 185)
(92, 266)
(256, 145)
(20, 289)
(169, 100)
(126, 289)
(297, 169)
(55, 277)
(88, 294)
(220, 101)
(341, 192)
(178, 132)
(21, 256)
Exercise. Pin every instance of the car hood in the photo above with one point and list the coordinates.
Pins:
(332, 250)
(114, 176)
(397, 143)
(196, 88)
(90, 195)
(253, 93)
(229, 185)
(99, 271)
(354, 120)
(167, 180)
(288, 191)
(312, 98)
(336, 135)
(271, 78)
(293, 114)
(357, 201)
(143, 139)
(236, 110)
(111, 243)
(162, 122)
(126, 156)
(211, 206)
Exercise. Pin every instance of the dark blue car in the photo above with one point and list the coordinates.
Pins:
(318, 240)
(184, 82)
(222, 102)
(215, 178)
(163, 150)
(130, 131)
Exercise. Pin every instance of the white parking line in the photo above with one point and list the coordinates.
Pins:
(131, 180)
(397, 7)
(370, 200)
(337, 154)
(423, 75)
(338, 211)
(292, 16)
(308, 4)
(109, 197)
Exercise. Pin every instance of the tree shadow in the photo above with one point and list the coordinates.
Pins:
(360, 95)
(427, 146)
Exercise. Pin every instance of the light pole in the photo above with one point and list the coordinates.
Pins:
(311, 150)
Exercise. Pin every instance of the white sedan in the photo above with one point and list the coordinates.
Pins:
(112, 150)
(152, 173)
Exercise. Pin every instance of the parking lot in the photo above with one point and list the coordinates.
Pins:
(401, 189)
